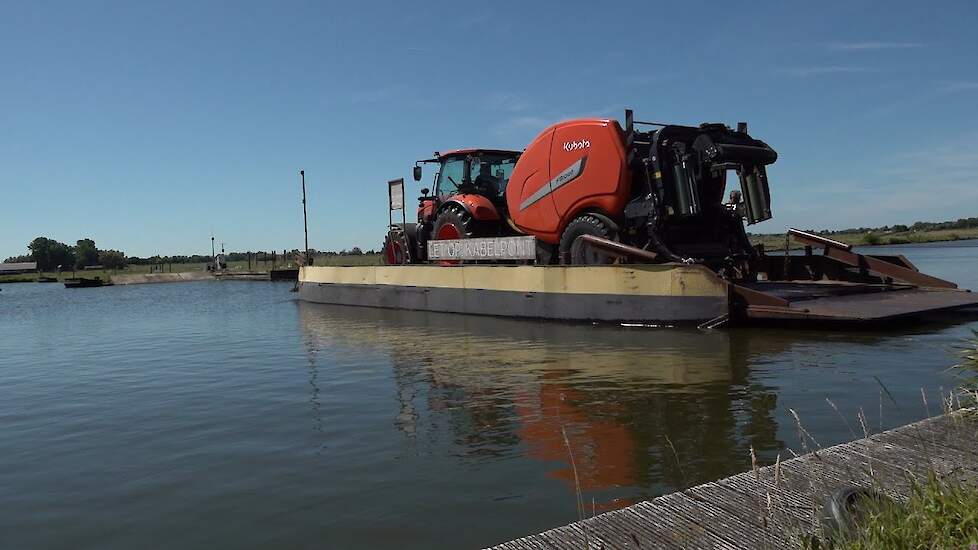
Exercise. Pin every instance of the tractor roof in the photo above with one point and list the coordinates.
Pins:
(458, 152)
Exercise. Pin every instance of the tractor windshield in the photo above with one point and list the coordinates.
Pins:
(490, 173)
(450, 177)
(483, 173)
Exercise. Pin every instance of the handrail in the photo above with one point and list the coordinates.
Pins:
(811, 238)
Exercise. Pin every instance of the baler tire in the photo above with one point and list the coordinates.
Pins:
(573, 251)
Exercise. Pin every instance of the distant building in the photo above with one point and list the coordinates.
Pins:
(19, 267)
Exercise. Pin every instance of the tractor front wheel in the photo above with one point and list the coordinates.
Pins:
(573, 250)
(453, 223)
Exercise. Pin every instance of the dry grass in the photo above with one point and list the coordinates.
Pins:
(938, 514)
(934, 509)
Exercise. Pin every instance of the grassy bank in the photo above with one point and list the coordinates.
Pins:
(256, 266)
(938, 514)
(776, 241)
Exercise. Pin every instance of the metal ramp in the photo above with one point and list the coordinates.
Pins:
(868, 304)
(846, 287)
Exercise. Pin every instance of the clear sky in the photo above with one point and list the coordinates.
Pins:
(148, 126)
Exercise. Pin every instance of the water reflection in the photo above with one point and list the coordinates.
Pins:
(640, 408)
(644, 411)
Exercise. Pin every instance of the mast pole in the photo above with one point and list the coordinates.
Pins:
(305, 222)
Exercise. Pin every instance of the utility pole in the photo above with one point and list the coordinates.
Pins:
(305, 222)
(212, 248)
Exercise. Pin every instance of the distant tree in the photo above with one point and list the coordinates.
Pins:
(85, 253)
(111, 259)
(49, 254)
(900, 228)
(19, 259)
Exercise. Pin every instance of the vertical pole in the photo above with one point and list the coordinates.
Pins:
(212, 248)
(305, 223)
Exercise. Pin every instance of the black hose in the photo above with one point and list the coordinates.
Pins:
(661, 248)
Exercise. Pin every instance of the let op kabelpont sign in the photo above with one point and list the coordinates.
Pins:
(497, 248)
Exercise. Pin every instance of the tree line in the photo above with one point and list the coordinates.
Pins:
(962, 223)
(51, 255)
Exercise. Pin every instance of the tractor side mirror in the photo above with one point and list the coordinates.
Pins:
(417, 172)
(425, 191)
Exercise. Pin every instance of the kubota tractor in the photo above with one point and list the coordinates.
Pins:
(590, 191)
(468, 200)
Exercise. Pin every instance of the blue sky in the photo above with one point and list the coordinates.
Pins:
(149, 126)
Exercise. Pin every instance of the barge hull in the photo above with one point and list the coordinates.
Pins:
(647, 294)
(612, 294)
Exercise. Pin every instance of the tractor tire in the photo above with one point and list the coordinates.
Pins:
(573, 251)
(397, 248)
(453, 223)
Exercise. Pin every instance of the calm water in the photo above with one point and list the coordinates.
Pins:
(226, 414)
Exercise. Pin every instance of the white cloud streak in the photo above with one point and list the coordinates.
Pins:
(954, 87)
(818, 70)
(863, 46)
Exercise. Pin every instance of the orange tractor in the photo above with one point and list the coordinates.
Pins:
(589, 191)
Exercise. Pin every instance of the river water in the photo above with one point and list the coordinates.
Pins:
(227, 414)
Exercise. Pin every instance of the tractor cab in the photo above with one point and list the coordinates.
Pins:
(482, 172)
(470, 181)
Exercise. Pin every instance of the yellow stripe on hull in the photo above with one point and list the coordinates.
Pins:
(646, 280)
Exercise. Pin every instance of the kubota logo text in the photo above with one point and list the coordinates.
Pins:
(575, 145)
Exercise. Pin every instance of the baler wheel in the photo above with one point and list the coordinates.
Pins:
(574, 251)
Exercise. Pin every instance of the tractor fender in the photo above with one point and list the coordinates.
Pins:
(479, 207)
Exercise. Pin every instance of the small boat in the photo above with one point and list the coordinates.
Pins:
(47, 279)
(81, 282)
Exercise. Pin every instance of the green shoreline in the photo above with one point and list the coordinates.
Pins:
(237, 266)
(774, 242)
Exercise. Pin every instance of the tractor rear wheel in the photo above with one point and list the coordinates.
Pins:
(573, 250)
(453, 223)
(397, 247)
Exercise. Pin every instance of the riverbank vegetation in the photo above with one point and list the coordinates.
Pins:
(55, 259)
(256, 265)
(920, 232)
(938, 514)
